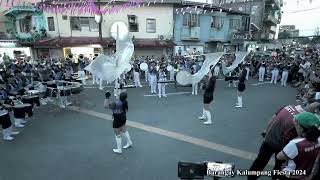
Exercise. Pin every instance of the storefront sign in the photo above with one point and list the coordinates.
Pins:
(239, 37)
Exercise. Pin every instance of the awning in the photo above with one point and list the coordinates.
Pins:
(14, 10)
(72, 42)
(254, 27)
(153, 43)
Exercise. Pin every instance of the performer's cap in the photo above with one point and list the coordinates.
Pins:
(307, 119)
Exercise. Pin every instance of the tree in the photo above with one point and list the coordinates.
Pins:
(284, 35)
(317, 31)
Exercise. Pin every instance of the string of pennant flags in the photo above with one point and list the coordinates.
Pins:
(88, 6)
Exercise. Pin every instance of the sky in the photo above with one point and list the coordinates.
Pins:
(305, 20)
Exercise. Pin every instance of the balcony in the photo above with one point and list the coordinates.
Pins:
(270, 19)
(273, 29)
(190, 33)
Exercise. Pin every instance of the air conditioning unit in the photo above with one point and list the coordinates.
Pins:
(161, 37)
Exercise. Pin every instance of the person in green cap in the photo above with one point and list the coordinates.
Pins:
(300, 154)
(281, 129)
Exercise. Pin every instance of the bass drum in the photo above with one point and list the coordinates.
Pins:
(183, 78)
(144, 66)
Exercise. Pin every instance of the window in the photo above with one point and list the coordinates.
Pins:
(246, 23)
(151, 25)
(25, 24)
(216, 22)
(235, 23)
(191, 20)
(51, 24)
(84, 24)
(133, 23)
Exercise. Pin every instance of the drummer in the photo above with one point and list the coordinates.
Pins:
(6, 124)
(19, 111)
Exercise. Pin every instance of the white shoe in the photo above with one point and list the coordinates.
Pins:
(23, 121)
(140, 86)
(202, 117)
(207, 122)
(128, 145)
(119, 151)
(164, 95)
(17, 125)
(192, 93)
(69, 103)
(62, 106)
(100, 88)
(8, 138)
(14, 133)
(238, 106)
(159, 96)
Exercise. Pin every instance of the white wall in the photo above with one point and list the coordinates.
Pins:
(162, 13)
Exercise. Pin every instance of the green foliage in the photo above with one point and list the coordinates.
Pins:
(10, 25)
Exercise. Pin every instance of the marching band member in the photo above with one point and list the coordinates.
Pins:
(194, 70)
(100, 83)
(116, 91)
(6, 123)
(241, 86)
(248, 65)
(153, 78)
(285, 73)
(217, 69)
(136, 75)
(161, 85)
(208, 98)
(275, 73)
(119, 108)
(262, 71)
(171, 73)
(81, 73)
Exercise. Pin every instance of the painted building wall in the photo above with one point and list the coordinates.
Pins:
(162, 13)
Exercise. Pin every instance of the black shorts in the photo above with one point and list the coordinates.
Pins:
(207, 98)
(241, 87)
(119, 120)
(5, 121)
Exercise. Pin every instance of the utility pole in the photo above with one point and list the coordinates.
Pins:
(100, 23)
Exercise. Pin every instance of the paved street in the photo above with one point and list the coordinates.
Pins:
(76, 144)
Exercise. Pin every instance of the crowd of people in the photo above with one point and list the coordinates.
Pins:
(292, 133)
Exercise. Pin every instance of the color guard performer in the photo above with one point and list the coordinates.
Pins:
(248, 65)
(208, 98)
(241, 86)
(119, 108)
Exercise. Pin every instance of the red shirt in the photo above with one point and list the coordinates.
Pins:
(282, 129)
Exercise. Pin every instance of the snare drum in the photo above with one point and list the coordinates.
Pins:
(20, 110)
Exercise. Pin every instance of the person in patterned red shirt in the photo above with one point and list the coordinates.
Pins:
(281, 129)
